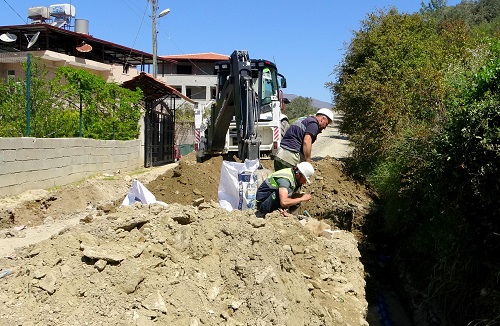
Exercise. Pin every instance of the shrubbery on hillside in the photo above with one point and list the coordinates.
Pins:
(420, 96)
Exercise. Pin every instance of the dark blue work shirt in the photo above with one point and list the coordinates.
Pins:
(294, 136)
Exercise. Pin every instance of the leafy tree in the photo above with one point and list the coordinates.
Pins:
(482, 15)
(13, 103)
(390, 80)
(299, 107)
(433, 6)
(185, 113)
(184, 123)
(108, 110)
(12, 115)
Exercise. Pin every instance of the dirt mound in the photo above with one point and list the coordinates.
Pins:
(105, 192)
(188, 181)
(337, 198)
(185, 264)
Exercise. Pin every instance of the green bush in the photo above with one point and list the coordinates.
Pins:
(420, 95)
(108, 110)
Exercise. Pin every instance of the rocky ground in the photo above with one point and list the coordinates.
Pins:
(74, 256)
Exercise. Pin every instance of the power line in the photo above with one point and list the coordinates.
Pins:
(137, 34)
(182, 53)
(24, 21)
(136, 10)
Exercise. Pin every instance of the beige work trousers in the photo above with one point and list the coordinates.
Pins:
(287, 159)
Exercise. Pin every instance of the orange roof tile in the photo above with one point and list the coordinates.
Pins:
(210, 56)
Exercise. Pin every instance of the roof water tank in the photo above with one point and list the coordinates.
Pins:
(38, 13)
(62, 10)
(82, 26)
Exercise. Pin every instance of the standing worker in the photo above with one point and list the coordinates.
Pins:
(296, 145)
(280, 190)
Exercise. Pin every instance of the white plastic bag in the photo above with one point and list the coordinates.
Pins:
(138, 192)
(238, 185)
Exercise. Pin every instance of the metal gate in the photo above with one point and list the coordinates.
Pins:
(159, 118)
(159, 122)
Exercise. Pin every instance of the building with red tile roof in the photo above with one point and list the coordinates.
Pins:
(191, 74)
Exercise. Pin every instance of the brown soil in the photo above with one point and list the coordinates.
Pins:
(337, 198)
(184, 264)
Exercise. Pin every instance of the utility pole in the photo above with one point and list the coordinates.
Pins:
(154, 6)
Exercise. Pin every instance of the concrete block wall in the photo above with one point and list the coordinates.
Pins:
(41, 163)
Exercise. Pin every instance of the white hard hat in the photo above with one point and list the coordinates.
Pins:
(326, 112)
(306, 169)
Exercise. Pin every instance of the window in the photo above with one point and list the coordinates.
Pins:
(269, 86)
(184, 70)
(196, 92)
(11, 74)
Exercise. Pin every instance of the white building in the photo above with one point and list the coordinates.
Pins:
(191, 74)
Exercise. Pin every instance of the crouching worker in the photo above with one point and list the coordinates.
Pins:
(281, 189)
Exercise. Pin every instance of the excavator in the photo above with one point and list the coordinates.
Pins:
(246, 117)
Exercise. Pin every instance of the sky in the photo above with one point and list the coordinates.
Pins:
(306, 39)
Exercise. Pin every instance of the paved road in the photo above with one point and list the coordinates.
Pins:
(331, 143)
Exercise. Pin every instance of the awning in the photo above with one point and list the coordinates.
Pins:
(153, 88)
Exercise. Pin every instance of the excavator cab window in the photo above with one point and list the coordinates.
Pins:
(267, 91)
(269, 88)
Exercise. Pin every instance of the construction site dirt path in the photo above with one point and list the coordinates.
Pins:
(73, 256)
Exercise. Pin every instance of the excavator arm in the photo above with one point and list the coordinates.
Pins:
(246, 113)
(236, 99)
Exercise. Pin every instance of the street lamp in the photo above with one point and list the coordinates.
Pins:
(164, 13)
(154, 16)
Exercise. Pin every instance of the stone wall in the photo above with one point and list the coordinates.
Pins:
(41, 163)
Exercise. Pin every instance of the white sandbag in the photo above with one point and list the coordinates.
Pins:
(238, 185)
(138, 192)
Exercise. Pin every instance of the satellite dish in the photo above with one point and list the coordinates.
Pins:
(7, 37)
(84, 47)
(33, 40)
(164, 12)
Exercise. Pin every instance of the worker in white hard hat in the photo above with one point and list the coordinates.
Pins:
(281, 189)
(296, 144)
